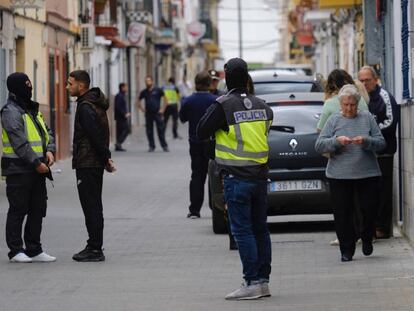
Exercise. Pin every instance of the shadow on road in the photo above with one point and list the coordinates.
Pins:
(297, 226)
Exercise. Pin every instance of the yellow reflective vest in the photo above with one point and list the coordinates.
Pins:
(245, 143)
(171, 94)
(32, 134)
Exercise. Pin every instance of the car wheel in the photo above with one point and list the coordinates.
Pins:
(219, 223)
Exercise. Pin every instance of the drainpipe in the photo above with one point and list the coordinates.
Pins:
(405, 66)
(405, 61)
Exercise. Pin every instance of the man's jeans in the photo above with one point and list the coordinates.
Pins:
(247, 209)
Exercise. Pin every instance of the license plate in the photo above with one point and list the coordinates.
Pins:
(295, 185)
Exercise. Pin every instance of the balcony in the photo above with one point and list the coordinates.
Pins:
(164, 39)
(106, 31)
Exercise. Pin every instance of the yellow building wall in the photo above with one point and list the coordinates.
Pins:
(5, 3)
(34, 49)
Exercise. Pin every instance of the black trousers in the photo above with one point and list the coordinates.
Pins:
(172, 110)
(122, 131)
(27, 195)
(346, 193)
(89, 181)
(150, 118)
(199, 168)
(384, 217)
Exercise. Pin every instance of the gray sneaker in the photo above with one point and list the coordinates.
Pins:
(265, 289)
(246, 292)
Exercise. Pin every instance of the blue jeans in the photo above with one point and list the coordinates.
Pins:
(247, 209)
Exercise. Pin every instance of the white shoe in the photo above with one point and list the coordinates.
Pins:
(43, 257)
(246, 292)
(21, 258)
(334, 242)
(265, 289)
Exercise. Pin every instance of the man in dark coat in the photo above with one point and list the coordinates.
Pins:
(192, 109)
(386, 112)
(91, 156)
(121, 117)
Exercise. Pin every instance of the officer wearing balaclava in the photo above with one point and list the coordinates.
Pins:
(240, 123)
(28, 148)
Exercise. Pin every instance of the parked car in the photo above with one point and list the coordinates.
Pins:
(297, 181)
(272, 81)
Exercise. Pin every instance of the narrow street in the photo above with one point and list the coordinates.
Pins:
(157, 259)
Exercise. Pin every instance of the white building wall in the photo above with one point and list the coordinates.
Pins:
(407, 135)
(97, 64)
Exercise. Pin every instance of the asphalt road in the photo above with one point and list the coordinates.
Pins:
(157, 259)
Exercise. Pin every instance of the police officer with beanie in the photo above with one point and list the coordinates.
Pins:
(240, 123)
(28, 147)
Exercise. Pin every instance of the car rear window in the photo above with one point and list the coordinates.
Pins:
(262, 88)
(296, 117)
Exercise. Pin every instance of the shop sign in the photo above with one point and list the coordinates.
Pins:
(136, 34)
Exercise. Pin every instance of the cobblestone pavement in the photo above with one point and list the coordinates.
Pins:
(159, 260)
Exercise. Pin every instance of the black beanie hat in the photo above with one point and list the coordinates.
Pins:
(236, 73)
(19, 84)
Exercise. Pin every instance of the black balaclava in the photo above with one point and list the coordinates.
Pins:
(19, 84)
(236, 73)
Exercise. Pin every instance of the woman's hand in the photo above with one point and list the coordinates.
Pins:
(344, 140)
(358, 140)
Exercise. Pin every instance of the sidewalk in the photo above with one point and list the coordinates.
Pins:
(157, 259)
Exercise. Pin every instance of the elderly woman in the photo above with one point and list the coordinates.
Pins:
(352, 137)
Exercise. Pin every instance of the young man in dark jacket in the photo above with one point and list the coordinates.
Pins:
(91, 156)
(28, 152)
(121, 117)
(384, 108)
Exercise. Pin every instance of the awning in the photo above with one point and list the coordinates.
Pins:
(317, 16)
(100, 6)
(338, 4)
(118, 43)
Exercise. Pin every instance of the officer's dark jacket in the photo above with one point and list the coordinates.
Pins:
(120, 107)
(386, 112)
(215, 119)
(12, 122)
(91, 135)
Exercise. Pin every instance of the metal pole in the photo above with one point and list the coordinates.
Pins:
(239, 11)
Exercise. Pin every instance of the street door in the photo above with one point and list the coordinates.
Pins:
(52, 106)
(3, 76)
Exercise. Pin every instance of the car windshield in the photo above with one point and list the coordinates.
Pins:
(299, 118)
(262, 88)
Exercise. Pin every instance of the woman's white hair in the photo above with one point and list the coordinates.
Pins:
(349, 90)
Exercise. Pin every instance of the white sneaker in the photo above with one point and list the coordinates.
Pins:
(43, 257)
(246, 292)
(21, 258)
(265, 289)
(334, 243)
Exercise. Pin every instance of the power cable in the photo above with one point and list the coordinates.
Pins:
(245, 9)
(276, 20)
(257, 46)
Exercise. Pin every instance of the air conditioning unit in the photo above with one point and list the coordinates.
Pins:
(87, 36)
